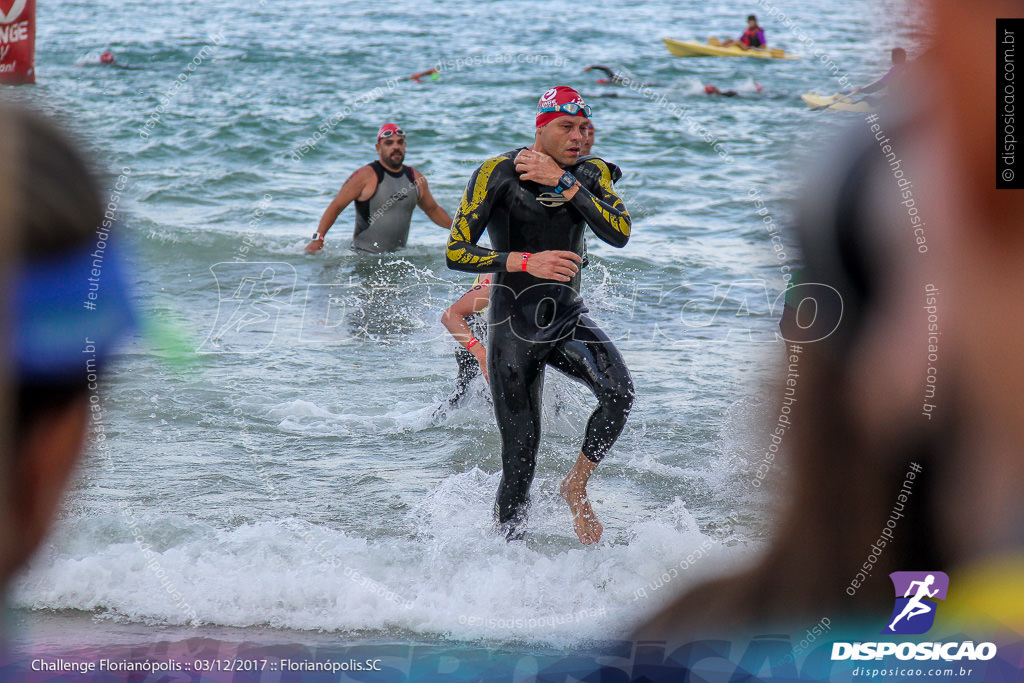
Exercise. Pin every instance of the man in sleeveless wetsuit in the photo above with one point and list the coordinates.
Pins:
(385, 192)
(535, 204)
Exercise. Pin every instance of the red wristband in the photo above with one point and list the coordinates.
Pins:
(471, 343)
(526, 257)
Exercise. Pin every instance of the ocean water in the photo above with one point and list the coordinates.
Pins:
(267, 456)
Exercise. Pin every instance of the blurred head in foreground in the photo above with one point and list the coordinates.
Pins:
(908, 430)
(65, 305)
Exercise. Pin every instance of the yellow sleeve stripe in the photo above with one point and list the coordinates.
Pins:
(473, 198)
(621, 225)
(471, 201)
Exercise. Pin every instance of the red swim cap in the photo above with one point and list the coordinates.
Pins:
(709, 89)
(107, 57)
(389, 129)
(560, 101)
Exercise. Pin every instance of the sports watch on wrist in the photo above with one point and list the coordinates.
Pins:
(317, 237)
(565, 182)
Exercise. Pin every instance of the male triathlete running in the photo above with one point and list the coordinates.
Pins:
(535, 204)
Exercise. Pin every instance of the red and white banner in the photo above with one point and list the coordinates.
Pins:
(17, 41)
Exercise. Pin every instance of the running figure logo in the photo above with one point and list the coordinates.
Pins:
(915, 607)
(251, 298)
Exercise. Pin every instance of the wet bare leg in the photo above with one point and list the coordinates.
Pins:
(574, 491)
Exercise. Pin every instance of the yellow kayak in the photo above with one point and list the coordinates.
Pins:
(691, 48)
(841, 103)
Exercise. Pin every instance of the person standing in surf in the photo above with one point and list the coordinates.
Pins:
(535, 204)
(385, 192)
(464, 317)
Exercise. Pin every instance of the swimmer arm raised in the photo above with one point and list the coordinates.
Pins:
(603, 210)
(348, 193)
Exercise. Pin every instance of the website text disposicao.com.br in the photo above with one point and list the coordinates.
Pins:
(951, 659)
(902, 672)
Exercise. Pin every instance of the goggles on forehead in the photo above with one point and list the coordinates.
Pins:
(570, 108)
(384, 134)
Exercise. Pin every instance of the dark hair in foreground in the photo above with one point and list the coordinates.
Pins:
(843, 480)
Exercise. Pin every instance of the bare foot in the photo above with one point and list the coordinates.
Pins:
(583, 518)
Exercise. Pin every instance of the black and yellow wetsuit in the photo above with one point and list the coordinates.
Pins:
(534, 322)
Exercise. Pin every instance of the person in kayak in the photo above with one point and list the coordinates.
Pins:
(752, 38)
(535, 203)
(899, 61)
(385, 192)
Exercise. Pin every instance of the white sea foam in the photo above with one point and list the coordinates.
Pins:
(450, 574)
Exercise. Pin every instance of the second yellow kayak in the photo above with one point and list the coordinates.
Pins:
(837, 102)
(691, 48)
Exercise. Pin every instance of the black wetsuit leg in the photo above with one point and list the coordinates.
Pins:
(468, 370)
(590, 357)
(516, 369)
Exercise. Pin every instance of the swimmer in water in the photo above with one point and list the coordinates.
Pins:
(712, 90)
(433, 74)
(535, 204)
(613, 78)
(108, 59)
(385, 192)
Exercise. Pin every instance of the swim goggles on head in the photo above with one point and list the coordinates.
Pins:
(570, 108)
(389, 132)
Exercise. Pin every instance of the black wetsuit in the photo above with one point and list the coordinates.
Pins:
(535, 322)
(469, 368)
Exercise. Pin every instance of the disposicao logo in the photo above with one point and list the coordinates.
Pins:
(916, 592)
(914, 614)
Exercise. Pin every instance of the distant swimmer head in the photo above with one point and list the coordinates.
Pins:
(708, 89)
(588, 138)
(391, 146)
(562, 119)
(107, 57)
